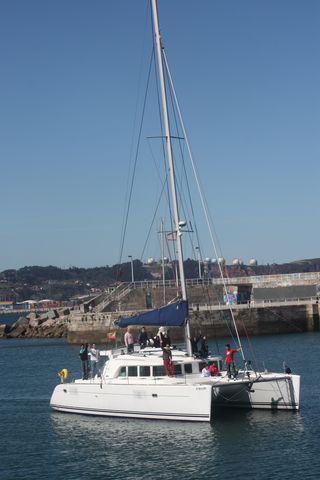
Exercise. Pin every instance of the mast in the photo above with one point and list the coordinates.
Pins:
(170, 164)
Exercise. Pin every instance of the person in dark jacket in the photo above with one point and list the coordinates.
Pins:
(204, 348)
(143, 338)
(194, 344)
(83, 354)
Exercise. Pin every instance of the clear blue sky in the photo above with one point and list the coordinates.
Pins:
(248, 77)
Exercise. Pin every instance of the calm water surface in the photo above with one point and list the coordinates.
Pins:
(37, 443)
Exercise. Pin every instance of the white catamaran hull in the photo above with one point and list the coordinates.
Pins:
(178, 400)
(265, 391)
(169, 402)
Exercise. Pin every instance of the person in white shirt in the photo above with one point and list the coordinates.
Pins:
(94, 360)
(129, 341)
(205, 372)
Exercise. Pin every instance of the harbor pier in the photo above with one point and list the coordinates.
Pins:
(263, 305)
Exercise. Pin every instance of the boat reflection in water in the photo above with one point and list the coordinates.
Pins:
(151, 449)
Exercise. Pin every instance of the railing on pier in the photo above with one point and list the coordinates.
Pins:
(289, 279)
(254, 304)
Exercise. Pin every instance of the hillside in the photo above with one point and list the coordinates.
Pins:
(62, 284)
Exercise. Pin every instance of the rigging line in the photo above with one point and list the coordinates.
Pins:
(185, 206)
(126, 216)
(202, 199)
(162, 182)
(288, 322)
(152, 222)
(249, 342)
(123, 227)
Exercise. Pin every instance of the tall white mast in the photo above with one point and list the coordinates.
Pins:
(170, 163)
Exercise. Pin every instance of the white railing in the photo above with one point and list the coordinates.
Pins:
(254, 304)
(290, 279)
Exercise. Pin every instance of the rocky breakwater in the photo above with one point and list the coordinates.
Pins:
(52, 324)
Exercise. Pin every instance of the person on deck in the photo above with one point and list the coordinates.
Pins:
(156, 341)
(194, 344)
(167, 361)
(94, 360)
(204, 348)
(83, 354)
(229, 361)
(129, 341)
(213, 369)
(143, 338)
(205, 372)
(164, 338)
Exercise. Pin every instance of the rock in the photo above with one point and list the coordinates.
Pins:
(35, 322)
(18, 328)
(52, 314)
(51, 322)
(21, 322)
(35, 327)
(18, 331)
(4, 329)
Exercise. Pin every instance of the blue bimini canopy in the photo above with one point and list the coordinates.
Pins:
(172, 315)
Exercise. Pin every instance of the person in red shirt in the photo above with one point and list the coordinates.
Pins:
(167, 361)
(229, 361)
(213, 369)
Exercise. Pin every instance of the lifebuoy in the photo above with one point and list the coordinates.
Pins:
(63, 374)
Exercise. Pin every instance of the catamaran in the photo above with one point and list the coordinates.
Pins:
(136, 385)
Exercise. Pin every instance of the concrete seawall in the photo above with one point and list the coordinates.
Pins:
(254, 320)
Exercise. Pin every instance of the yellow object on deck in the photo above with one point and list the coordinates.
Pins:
(63, 374)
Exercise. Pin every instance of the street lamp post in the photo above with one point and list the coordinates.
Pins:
(132, 274)
(199, 262)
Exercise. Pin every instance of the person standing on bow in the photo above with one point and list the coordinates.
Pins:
(129, 341)
(229, 361)
(83, 354)
(94, 360)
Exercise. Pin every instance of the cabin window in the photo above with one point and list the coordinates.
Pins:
(187, 368)
(159, 371)
(144, 371)
(122, 372)
(177, 369)
(132, 371)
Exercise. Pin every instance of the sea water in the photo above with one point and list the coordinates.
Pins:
(37, 443)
